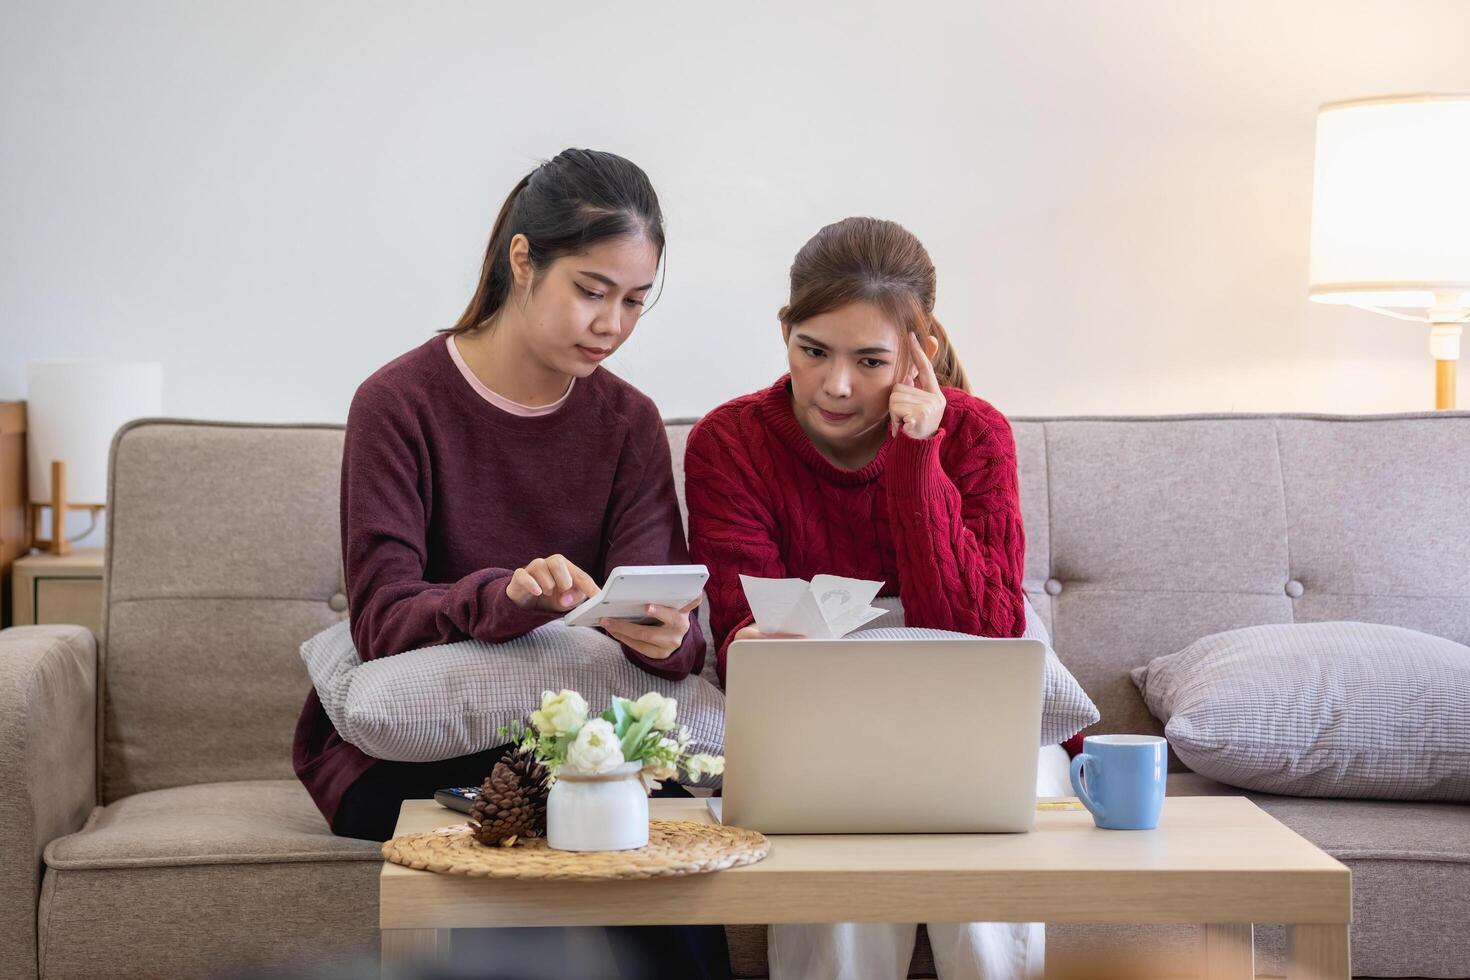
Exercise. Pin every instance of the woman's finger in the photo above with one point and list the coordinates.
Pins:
(560, 572)
(927, 378)
(650, 641)
(582, 581)
(674, 619)
(622, 631)
(670, 622)
(538, 571)
(899, 411)
(627, 631)
(521, 582)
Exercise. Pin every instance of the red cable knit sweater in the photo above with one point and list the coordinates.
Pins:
(938, 520)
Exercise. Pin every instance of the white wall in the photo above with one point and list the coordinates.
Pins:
(275, 198)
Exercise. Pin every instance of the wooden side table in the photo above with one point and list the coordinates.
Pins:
(59, 589)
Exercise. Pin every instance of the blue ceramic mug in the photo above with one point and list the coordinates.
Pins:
(1120, 778)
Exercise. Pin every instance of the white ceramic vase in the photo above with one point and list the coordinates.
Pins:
(597, 811)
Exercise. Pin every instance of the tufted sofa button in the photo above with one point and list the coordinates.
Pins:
(1294, 589)
(1053, 586)
(338, 602)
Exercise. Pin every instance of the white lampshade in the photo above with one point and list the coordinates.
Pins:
(1391, 202)
(73, 409)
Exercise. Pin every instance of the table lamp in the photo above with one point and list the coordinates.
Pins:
(73, 410)
(1391, 215)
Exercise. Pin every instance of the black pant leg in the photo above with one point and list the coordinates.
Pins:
(369, 808)
(670, 952)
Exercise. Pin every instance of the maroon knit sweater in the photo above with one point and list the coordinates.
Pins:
(445, 495)
(937, 520)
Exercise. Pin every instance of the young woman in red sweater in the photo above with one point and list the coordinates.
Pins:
(870, 460)
(490, 479)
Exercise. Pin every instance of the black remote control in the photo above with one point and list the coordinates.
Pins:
(461, 798)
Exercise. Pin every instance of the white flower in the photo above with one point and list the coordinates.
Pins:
(661, 769)
(654, 770)
(563, 713)
(660, 707)
(596, 748)
(704, 764)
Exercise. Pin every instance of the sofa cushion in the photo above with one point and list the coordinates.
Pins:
(1320, 709)
(184, 881)
(247, 822)
(211, 585)
(198, 690)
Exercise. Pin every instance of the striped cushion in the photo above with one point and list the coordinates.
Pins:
(452, 700)
(1333, 709)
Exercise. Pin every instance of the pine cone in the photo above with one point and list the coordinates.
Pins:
(512, 801)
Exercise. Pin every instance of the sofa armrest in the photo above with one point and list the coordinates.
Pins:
(48, 767)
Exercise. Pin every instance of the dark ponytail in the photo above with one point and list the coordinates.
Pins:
(879, 262)
(567, 204)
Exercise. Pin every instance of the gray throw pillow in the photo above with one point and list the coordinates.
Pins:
(1065, 710)
(1319, 709)
(445, 701)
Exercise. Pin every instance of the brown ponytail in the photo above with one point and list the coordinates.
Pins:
(879, 262)
(494, 284)
(572, 201)
(947, 367)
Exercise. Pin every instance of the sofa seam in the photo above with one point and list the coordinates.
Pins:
(222, 861)
(1045, 475)
(1428, 857)
(1285, 515)
(1082, 586)
(41, 954)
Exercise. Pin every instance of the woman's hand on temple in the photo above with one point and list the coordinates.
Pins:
(917, 410)
(551, 584)
(656, 641)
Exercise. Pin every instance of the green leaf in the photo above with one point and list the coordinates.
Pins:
(636, 735)
(609, 717)
(621, 717)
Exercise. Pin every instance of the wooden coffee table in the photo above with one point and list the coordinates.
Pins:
(1216, 860)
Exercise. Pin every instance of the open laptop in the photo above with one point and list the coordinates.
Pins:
(867, 736)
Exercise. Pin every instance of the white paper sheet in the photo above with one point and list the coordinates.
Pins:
(826, 608)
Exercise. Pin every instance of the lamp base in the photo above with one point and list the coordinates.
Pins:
(57, 544)
(1444, 384)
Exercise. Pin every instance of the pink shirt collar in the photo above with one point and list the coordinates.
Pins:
(500, 401)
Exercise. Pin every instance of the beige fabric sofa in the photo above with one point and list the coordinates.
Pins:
(150, 824)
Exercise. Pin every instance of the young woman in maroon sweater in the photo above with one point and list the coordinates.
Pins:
(490, 479)
(871, 460)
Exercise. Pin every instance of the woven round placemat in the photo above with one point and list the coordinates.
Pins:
(675, 847)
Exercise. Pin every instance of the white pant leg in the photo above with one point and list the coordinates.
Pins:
(962, 950)
(988, 950)
(1054, 772)
(840, 951)
(1002, 950)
